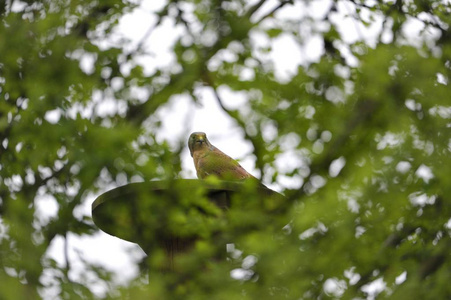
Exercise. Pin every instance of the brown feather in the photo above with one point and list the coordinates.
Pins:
(209, 160)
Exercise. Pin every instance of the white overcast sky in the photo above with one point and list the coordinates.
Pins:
(120, 256)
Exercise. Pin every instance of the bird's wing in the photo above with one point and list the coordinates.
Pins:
(217, 163)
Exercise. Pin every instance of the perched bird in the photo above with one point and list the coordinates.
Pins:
(209, 160)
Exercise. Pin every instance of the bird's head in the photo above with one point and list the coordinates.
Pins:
(198, 141)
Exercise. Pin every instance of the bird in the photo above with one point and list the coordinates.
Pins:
(209, 160)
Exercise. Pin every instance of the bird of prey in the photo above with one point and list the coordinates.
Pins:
(209, 160)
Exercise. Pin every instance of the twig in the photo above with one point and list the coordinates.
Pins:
(149, 31)
(241, 123)
(363, 114)
(356, 24)
(140, 44)
(435, 23)
(254, 8)
(281, 4)
(66, 256)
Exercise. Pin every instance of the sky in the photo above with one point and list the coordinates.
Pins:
(180, 115)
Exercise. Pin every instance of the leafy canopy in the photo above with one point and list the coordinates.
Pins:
(360, 129)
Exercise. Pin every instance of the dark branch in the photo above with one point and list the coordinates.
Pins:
(254, 8)
(234, 115)
(272, 12)
(66, 257)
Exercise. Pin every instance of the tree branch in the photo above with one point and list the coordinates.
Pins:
(66, 256)
(234, 115)
(254, 8)
(363, 113)
(275, 9)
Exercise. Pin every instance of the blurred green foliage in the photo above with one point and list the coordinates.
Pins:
(368, 125)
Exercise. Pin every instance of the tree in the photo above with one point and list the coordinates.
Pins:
(364, 125)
